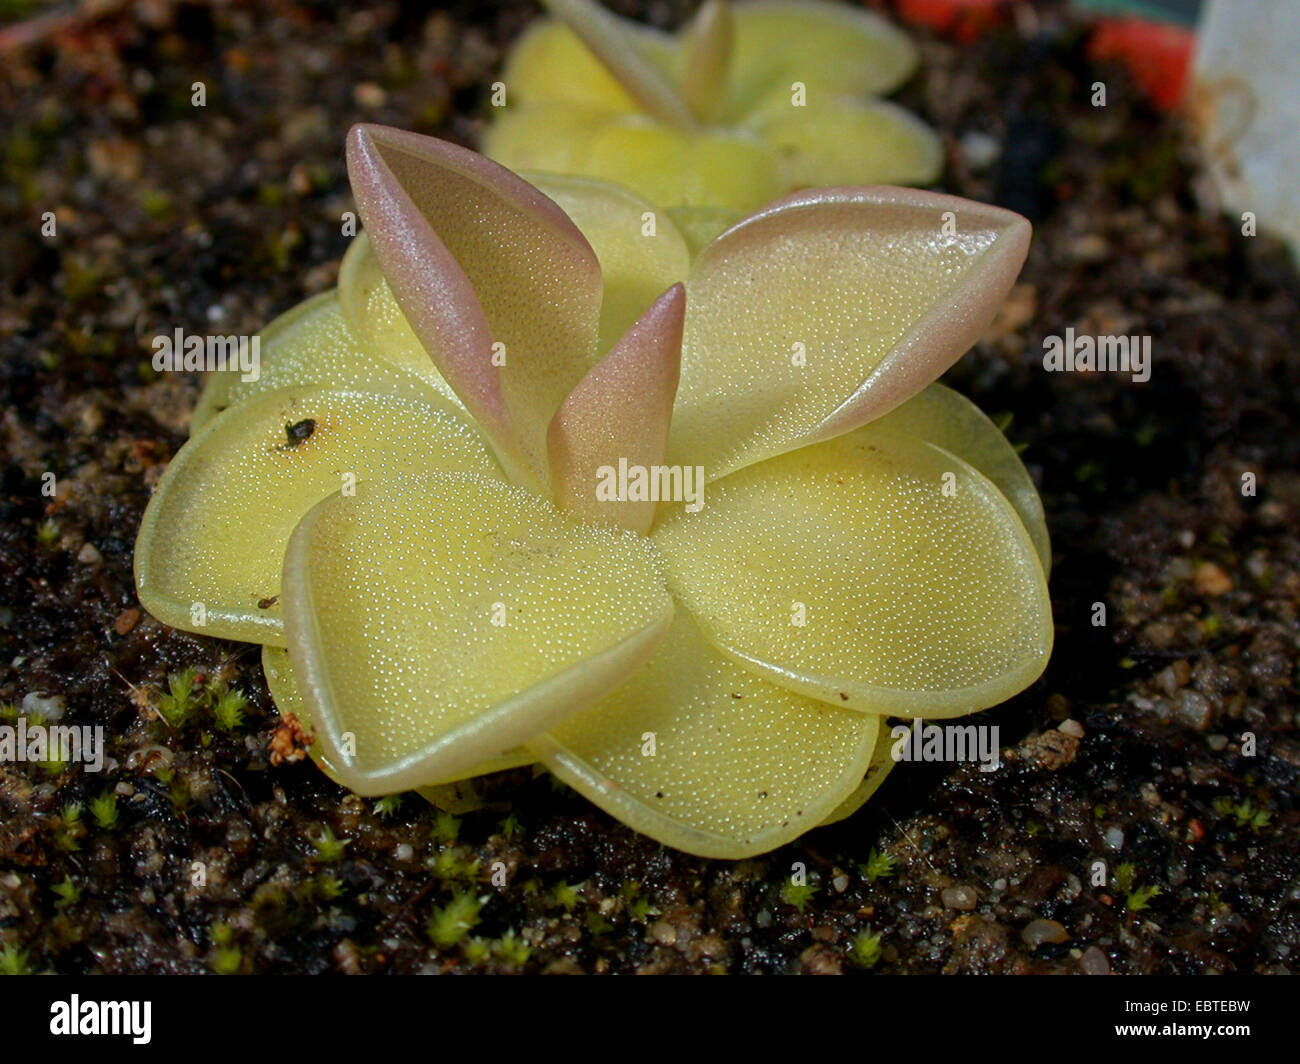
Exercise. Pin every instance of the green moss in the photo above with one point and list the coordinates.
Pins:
(227, 961)
(388, 805)
(477, 950)
(104, 810)
(328, 887)
(446, 828)
(14, 961)
(156, 203)
(67, 892)
(798, 895)
(47, 533)
(510, 827)
(1139, 899)
(454, 864)
(330, 848)
(641, 908)
(320, 889)
(70, 831)
(1246, 814)
(228, 709)
(220, 933)
(181, 701)
(512, 950)
(565, 896)
(878, 866)
(452, 922)
(865, 949)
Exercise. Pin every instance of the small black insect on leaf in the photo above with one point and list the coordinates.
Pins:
(299, 431)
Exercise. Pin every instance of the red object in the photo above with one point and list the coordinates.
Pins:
(1156, 54)
(964, 20)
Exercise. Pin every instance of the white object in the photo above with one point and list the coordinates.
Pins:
(1247, 109)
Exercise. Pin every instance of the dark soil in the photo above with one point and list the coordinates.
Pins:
(171, 215)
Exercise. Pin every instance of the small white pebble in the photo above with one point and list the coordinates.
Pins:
(403, 851)
(1071, 727)
(980, 149)
(47, 707)
(963, 898)
(663, 933)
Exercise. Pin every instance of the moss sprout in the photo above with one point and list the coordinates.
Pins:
(15, 961)
(450, 923)
(228, 709)
(798, 895)
(329, 848)
(104, 809)
(877, 866)
(511, 950)
(865, 949)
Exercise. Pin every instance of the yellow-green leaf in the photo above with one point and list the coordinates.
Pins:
(434, 622)
(949, 420)
(873, 571)
(288, 699)
(212, 541)
(829, 308)
(640, 250)
(706, 756)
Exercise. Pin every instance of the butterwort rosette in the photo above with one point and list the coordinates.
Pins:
(537, 483)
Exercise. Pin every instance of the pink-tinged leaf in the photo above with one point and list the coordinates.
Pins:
(827, 309)
(613, 41)
(706, 46)
(620, 411)
(496, 281)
